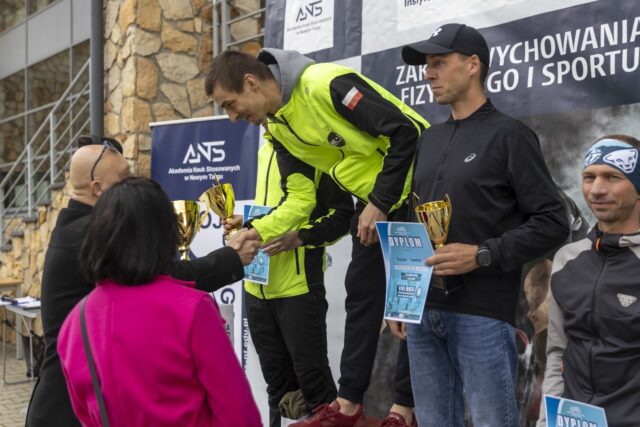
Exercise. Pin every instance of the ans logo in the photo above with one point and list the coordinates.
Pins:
(624, 160)
(311, 10)
(206, 149)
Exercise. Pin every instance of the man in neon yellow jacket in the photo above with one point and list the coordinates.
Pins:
(352, 129)
(287, 317)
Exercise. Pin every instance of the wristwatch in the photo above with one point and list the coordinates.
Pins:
(483, 257)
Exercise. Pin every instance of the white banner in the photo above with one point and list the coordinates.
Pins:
(409, 21)
(308, 25)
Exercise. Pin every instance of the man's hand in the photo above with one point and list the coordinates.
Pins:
(239, 237)
(287, 242)
(232, 223)
(453, 259)
(248, 251)
(367, 224)
(398, 329)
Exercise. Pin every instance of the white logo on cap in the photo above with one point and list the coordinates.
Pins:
(626, 300)
(436, 32)
(623, 159)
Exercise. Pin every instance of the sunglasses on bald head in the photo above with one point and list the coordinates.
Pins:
(107, 143)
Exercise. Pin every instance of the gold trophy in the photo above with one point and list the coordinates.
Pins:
(436, 217)
(189, 222)
(220, 199)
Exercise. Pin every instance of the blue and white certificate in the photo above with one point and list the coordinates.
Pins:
(567, 413)
(405, 246)
(258, 270)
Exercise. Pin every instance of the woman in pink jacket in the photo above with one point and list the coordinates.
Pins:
(161, 355)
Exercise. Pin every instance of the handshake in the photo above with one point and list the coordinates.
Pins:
(247, 241)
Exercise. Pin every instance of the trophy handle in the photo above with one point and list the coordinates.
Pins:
(447, 201)
(203, 216)
(216, 179)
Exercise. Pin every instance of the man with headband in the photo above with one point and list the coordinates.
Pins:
(593, 343)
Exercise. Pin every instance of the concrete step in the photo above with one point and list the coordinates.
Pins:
(30, 218)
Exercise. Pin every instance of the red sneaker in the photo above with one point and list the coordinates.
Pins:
(396, 420)
(326, 415)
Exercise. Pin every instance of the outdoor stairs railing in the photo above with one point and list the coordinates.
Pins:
(27, 181)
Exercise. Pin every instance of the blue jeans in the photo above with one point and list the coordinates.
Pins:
(451, 352)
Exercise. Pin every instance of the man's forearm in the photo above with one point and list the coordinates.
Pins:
(211, 272)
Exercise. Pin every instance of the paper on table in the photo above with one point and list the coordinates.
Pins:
(23, 302)
(30, 304)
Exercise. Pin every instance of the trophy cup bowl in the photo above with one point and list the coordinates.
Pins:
(189, 221)
(436, 216)
(220, 199)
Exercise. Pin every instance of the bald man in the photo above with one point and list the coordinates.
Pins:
(94, 169)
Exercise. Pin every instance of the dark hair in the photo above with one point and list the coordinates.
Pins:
(229, 68)
(131, 236)
(484, 72)
(624, 138)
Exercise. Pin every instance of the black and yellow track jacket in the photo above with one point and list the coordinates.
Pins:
(345, 125)
(320, 211)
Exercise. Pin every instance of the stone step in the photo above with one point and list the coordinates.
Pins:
(17, 233)
(30, 219)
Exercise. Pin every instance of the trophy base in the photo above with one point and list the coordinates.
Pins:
(448, 284)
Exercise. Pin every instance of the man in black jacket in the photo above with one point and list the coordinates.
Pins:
(94, 168)
(506, 211)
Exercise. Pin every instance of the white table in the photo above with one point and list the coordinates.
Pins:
(22, 315)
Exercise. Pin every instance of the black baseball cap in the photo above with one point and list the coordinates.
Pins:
(446, 39)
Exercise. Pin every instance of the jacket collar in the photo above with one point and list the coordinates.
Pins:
(482, 112)
(609, 242)
(76, 205)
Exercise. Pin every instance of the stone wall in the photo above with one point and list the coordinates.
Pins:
(156, 57)
(25, 258)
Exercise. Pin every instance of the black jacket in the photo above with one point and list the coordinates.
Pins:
(63, 286)
(595, 325)
(502, 195)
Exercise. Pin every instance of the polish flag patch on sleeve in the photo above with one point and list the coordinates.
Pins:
(352, 98)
